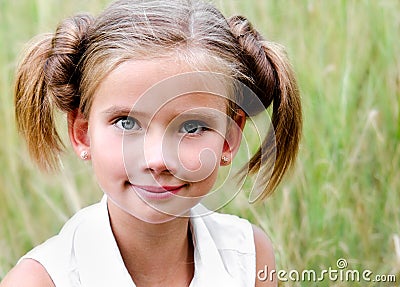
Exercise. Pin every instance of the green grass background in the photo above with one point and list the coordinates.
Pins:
(342, 199)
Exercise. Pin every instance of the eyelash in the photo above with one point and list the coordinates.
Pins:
(199, 125)
(119, 123)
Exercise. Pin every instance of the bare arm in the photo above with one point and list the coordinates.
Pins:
(28, 273)
(264, 257)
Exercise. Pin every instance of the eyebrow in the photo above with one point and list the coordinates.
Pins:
(203, 115)
(120, 110)
(115, 111)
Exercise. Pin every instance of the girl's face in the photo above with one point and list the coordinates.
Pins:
(155, 140)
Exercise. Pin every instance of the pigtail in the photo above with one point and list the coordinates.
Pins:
(33, 106)
(48, 78)
(273, 80)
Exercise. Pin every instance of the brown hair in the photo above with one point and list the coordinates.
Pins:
(63, 70)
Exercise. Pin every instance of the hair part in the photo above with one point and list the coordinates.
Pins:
(64, 70)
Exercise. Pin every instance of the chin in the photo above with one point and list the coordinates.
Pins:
(153, 211)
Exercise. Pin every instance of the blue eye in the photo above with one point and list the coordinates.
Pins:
(127, 124)
(193, 127)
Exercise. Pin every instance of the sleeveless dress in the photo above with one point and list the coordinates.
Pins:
(85, 253)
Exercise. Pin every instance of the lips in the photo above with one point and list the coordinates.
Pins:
(157, 192)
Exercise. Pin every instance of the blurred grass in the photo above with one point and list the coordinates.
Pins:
(343, 198)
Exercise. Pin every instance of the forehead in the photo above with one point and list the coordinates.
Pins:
(156, 83)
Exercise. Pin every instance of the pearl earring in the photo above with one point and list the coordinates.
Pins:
(225, 159)
(84, 155)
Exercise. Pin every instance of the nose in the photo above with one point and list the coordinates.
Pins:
(157, 156)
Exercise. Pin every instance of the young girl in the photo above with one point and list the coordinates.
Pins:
(156, 94)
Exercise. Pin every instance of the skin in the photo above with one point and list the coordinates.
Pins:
(168, 249)
(159, 152)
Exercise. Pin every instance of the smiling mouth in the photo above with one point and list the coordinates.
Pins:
(157, 192)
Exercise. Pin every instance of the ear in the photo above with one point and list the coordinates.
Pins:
(233, 137)
(78, 128)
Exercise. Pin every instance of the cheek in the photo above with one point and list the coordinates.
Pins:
(198, 159)
(106, 154)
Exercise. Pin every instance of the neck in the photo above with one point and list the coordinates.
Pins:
(154, 254)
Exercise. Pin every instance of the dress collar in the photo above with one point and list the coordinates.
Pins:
(100, 262)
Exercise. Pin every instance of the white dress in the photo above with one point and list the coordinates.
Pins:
(85, 253)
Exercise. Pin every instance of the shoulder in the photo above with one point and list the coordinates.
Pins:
(53, 257)
(228, 232)
(28, 273)
(264, 255)
(264, 249)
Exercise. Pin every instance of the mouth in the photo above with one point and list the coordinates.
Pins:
(157, 192)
